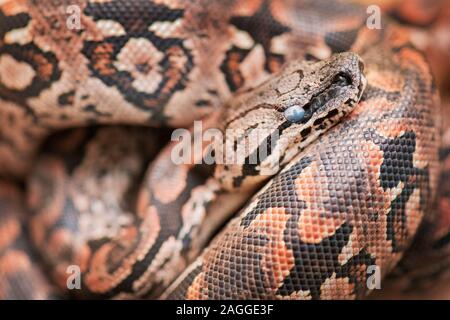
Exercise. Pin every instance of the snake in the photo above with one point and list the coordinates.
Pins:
(343, 179)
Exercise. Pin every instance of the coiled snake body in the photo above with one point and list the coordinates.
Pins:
(356, 111)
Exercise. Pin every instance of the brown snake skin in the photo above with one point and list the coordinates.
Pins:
(359, 172)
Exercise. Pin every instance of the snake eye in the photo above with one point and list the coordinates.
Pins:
(294, 113)
(342, 79)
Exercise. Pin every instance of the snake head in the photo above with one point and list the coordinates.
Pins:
(266, 126)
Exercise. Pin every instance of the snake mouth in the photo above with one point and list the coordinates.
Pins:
(324, 109)
(334, 100)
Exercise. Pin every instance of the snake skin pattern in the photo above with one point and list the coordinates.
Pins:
(360, 170)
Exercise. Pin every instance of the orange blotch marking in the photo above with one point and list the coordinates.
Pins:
(373, 106)
(14, 261)
(398, 36)
(50, 212)
(387, 80)
(275, 64)
(143, 202)
(170, 187)
(413, 212)
(422, 12)
(337, 288)
(11, 8)
(443, 224)
(392, 129)
(59, 241)
(45, 69)
(313, 225)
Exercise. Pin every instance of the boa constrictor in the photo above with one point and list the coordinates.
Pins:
(343, 201)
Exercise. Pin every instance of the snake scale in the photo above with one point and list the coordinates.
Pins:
(352, 117)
